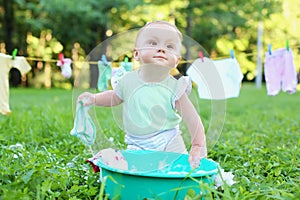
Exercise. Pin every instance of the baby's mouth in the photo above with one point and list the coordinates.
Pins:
(160, 57)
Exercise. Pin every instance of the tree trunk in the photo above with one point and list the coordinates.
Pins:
(188, 31)
(8, 24)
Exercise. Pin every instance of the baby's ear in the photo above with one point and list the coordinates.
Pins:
(135, 54)
(178, 60)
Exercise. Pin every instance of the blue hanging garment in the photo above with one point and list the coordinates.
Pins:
(127, 65)
(104, 74)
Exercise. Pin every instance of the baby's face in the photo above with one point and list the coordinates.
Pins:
(158, 44)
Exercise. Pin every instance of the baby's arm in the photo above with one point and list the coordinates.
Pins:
(190, 116)
(107, 98)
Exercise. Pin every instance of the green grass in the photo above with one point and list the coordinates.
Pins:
(259, 144)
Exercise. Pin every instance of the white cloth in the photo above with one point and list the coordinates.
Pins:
(219, 79)
(224, 178)
(66, 70)
(109, 157)
(6, 63)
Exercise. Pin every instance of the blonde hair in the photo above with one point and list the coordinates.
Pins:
(158, 22)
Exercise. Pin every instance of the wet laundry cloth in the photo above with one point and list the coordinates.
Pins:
(110, 157)
(280, 71)
(220, 79)
(84, 127)
(6, 63)
(65, 65)
(105, 72)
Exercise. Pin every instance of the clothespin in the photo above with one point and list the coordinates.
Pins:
(126, 64)
(270, 49)
(231, 53)
(126, 60)
(61, 58)
(287, 45)
(104, 60)
(14, 53)
(201, 56)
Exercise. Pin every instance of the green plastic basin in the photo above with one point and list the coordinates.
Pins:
(156, 175)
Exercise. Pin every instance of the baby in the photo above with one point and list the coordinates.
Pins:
(154, 102)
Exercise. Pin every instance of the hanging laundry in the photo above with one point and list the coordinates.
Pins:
(65, 64)
(231, 75)
(105, 72)
(6, 63)
(219, 79)
(127, 65)
(280, 71)
(118, 73)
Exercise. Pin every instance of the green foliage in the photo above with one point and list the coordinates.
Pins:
(79, 21)
(217, 25)
(262, 145)
(41, 160)
(43, 47)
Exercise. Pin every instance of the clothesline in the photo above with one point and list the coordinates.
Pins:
(181, 62)
(56, 60)
(95, 62)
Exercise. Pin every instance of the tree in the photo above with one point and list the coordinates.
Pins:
(220, 26)
(8, 24)
(217, 25)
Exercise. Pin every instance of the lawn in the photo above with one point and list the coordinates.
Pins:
(41, 160)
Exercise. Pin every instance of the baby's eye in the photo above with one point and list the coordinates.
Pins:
(170, 46)
(153, 43)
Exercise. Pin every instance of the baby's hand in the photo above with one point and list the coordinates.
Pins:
(87, 98)
(196, 154)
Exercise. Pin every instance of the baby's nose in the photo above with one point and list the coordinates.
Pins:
(161, 50)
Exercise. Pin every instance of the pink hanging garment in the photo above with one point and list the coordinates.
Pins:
(280, 72)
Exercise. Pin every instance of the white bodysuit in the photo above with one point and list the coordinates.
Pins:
(6, 63)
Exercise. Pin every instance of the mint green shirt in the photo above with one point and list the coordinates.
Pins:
(149, 108)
